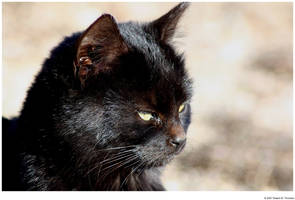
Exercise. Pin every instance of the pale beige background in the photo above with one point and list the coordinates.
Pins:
(240, 56)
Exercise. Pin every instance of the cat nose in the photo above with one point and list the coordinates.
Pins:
(177, 137)
(178, 141)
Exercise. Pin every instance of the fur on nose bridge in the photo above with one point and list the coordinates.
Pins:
(176, 130)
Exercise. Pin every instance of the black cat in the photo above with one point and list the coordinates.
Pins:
(109, 108)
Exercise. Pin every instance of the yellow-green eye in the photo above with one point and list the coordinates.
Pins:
(145, 116)
(181, 107)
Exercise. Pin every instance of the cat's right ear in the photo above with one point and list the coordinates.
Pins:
(97, 48)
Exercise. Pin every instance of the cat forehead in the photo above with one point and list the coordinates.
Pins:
(145, 42)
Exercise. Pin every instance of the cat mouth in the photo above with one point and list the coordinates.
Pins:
(157, 158)
(161, 161)
(168, 158)
(180, 149)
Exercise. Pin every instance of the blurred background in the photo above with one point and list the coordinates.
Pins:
(240, 57)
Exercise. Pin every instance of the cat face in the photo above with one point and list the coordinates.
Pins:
(149, 110)
(133, 104)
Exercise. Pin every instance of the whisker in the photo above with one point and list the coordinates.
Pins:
(122, 153)
(101, 165)
(110, 160)
(132, 164)
(97, 166)
(131, 173)
(116, 158)
(94, 146)
(120, 164)
(134, 156)
(130, 159)
(114, 148)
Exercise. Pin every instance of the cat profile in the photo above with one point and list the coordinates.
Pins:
(108, 110)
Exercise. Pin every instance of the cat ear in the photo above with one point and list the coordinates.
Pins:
(165, 26)
(98, 47)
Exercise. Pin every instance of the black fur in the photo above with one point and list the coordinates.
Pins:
(79, 128)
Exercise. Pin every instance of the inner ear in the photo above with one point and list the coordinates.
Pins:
(98, 46)
(165, 26)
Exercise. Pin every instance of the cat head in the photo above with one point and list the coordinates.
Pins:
(133, 100)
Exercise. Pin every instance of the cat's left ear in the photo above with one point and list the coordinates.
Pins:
(164, 27)
(98, 47)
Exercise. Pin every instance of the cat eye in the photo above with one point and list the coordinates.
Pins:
(146, 116)
(181, 108)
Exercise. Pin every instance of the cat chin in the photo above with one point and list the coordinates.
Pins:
(160, 162)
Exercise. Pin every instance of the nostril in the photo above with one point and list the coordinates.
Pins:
(177, 141)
